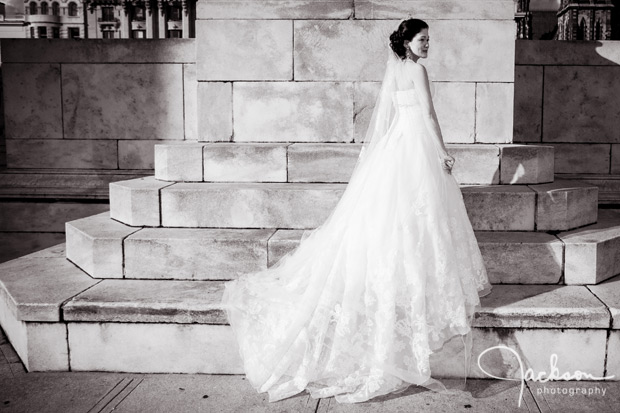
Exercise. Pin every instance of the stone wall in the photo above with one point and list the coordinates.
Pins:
(75, 104)
(566, 95)
(309, 71)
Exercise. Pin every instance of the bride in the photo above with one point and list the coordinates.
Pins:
(389, 282)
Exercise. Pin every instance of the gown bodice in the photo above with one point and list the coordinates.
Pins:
(406, 99)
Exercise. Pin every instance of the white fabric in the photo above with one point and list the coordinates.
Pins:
(388, 282)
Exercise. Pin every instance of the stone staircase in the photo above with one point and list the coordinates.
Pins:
(140, 286)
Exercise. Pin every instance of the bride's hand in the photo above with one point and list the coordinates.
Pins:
(447, 161)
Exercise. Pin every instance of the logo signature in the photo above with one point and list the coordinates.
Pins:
(529, 373)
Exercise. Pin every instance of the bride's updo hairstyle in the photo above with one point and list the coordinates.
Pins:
(405, 32)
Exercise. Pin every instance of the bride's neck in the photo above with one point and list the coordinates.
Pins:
(411, 56)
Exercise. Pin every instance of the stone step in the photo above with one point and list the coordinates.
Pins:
(556, 206)
(105, 248)
(50, 309)
(333, 162)
(608, 185)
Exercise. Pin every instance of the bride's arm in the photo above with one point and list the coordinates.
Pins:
(422, 88)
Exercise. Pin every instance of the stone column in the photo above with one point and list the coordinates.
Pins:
(186, 19)
(149, 20)
(161, 21)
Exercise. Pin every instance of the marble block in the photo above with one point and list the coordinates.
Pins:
(435, 9)
(190, 101)
(584, 93)
(564, 205)
(123, 101)
(364, 99)
(274, 9)
(582, 158)
(329, 50)
(541, 306)
(95, 244)
(245, 162)
(32, 100)
(215, 111)
(244, 50)
(500, 207)
(333, 162)
(615, 159)
(609, 293)
(527, 164)
(196, 254)
(528, 95)
(455, 104)
(138, 154)
(494, 112)
(475, 164)
(248, 205)
(130, 347)
(521, 257)
(293, 112)
(182, 162)
(136, 202)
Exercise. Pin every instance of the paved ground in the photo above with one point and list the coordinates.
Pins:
(152, 393)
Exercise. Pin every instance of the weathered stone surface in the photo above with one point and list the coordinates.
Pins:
(148, 301)
(215, 111)
(615, 159)
(282, 242)
(274, 9)
(130, 347)
(585, 93)
(213, 254)
(182, 162)
(494, 112)
(542, 52)
(190, 101)
(500, 208)
(364, 99)
(564, 205)
(32, 100)
(521, 257)
(332, 162)
(329, 50)
(95, 244)
(35, 288)
(40, 346)
(593, 252)
(475, 164)
(244, 50)
(44, 216)
(138, 154)
(528, 91)
(136, 202)
(249, 162)
(609, 293)
(613, 354)
(118, 101)
(576, 349)
(541, 306)
(100, 51)
(454, 103)
(297, 112)
(527, 164)
(510, 257)
(248, 205)
(433, 9)
(582, 158)
(62, 154)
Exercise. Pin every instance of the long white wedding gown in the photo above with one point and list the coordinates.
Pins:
(392, 275)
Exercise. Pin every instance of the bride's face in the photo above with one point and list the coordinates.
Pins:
(419, 44)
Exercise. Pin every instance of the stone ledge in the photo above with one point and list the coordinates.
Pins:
(334, 162)
(36, 287)
(609, 293)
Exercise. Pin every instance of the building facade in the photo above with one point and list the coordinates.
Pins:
(585, 20)
(12, 22)
(107, 19)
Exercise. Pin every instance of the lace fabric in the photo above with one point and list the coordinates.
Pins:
(379, 294)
